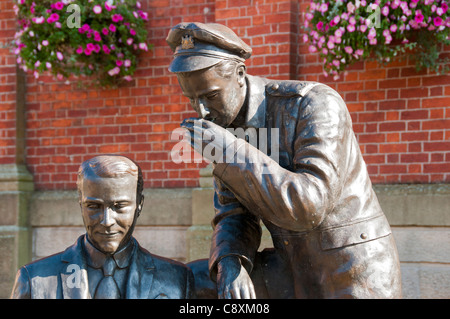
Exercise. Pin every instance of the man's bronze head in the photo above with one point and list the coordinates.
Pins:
(110, 191)
(209, 64)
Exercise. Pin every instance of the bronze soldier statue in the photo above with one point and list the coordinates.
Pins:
(107, 262)
(331, 238)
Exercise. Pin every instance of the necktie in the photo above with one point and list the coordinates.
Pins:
(107, 288)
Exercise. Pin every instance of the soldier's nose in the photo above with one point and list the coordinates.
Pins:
(203, 110)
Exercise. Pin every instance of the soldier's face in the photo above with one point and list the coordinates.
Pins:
(108, 208)
(215, 97)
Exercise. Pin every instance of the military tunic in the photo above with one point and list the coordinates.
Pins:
(331, 238)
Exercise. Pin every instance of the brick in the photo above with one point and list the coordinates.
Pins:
(392, 126)
(436, 124)
(436, 102)
(436, 146)
(414, 115)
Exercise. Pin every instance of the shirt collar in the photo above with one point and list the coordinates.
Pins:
(256, 103)
(95, 258)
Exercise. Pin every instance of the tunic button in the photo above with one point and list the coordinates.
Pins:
(363, 236)
(275, 86)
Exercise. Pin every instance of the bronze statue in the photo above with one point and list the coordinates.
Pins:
(331, 238)
(106, 262)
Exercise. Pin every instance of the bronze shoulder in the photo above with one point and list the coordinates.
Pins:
(289, 88)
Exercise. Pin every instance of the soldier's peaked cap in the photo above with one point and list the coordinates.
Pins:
(197, 46)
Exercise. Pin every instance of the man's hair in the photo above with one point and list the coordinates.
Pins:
(224, 68)
(110, 166)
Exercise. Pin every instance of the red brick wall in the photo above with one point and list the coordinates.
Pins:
(401, 117)
(7, 84)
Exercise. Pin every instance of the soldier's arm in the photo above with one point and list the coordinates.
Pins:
(237, 232)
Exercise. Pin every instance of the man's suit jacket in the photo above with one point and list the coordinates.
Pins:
(64, 276)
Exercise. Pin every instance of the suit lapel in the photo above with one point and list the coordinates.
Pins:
(140, 274)
(73, 273)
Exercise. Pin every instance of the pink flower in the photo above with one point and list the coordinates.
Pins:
(119, 62)
(144, 15)
(97, 36)
(350, 7)
(90, 46)
(107, 6)
(372, 34)
(114, 71)
(37, 64)
(330, 45)
(87, 51)
(395, 4)
(130, 41)
(351, 28)
(106, 49)
(312, 49)
(359, 52)
(348, 49)
(393, 28)
(305, 38)
(112, 28)
(143, 46)
(79, 50)
(419, 16)
(117, 17)
(385, 11)
(48, 65)
(132, 32)
(59, 5)
(105, 31)
(319, 25)
(97, 9)
(336, 19)
(437, 21)
(373, 41)
(324, 7)
(127, 63)
(60, 56)
(45, 43)
(38, 20)
(127, 78)
(53, 18)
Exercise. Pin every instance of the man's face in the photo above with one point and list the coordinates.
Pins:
(108, 208)
(214, 97)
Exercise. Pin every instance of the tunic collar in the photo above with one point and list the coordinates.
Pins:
(256, 103)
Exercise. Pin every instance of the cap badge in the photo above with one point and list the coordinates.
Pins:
(187, 42)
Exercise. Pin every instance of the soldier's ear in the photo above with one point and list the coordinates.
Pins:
(240, 72)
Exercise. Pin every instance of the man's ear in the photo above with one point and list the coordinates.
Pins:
(140, 205)
(241, 71)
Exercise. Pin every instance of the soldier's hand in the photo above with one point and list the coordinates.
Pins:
(212, 141)
(233, 281)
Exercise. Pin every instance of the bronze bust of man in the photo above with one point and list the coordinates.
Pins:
(331, 238)
(107, 262)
